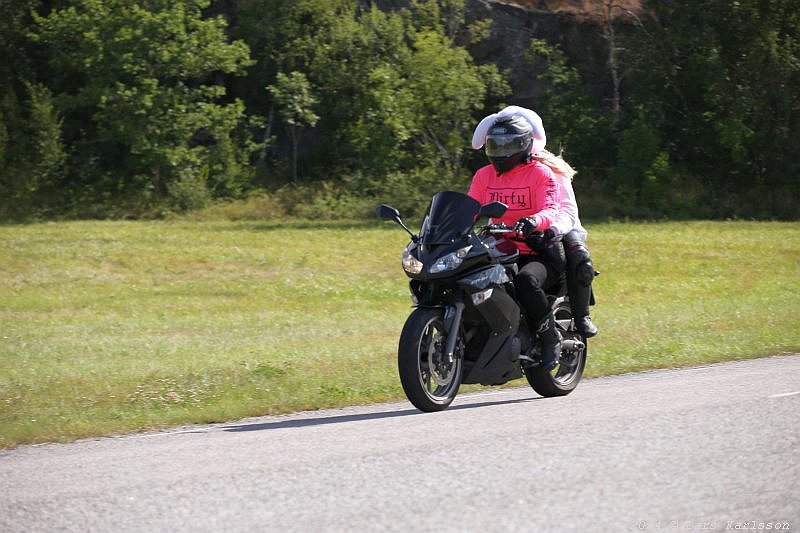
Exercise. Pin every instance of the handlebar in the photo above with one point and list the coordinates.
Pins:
(502, 229)
(497, 228)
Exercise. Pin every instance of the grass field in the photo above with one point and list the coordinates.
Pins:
(109, 327)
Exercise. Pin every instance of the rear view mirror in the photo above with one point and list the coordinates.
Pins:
(386, 212)
(493, 210)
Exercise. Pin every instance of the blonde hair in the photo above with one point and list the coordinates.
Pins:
(556, 163)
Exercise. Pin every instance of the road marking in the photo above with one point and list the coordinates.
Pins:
(784, 394)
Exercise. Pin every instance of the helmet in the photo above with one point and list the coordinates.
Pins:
(509, 142)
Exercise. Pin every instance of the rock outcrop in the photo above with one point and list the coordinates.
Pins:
(575, 26)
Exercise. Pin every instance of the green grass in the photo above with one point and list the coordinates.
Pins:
(109, 327)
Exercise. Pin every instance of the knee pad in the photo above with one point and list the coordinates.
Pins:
(573, 243)
(525, 281)
(531, 276)
(581, 263)
(576, 251)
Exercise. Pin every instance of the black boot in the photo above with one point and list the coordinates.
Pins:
(585, 326)
(579, 298)
(580, 274)
(551, 342)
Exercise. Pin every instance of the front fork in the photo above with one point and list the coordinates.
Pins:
(452, 323)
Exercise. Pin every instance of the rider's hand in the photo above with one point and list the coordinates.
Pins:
(526, 227)
(538, 239)
(535, 240)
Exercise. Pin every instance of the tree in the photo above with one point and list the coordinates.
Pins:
(449, 19)
(319, 39)
(572, 123)
(723, 95)
(32, 154)
(133, 80)
(607, 13)
(444, 90)
(419, 112)
(295, 102)
(396, 96)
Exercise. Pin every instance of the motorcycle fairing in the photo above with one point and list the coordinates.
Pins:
(493, 276)
(498, 360)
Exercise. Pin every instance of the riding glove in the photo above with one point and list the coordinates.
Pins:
(525, 227)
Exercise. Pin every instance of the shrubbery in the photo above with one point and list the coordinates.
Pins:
(113, 108)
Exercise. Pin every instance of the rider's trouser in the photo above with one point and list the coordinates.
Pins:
(534, 278)
(579, 273)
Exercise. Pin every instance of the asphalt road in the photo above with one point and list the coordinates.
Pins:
(707, 448)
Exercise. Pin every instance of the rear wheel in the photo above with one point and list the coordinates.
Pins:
(430, 379)
(562, 379)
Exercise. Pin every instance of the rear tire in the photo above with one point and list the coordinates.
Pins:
(429, 380)
(562, 379)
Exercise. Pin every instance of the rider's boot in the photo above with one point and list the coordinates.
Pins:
(579, 297)
(580, 274)
(585, 326)
(551, 342)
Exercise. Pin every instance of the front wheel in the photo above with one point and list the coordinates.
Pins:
(430, 379)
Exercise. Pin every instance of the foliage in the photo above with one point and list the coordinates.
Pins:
(113, 108)
(398, 95)
(576, 130)
(723, 98)
(133, 80)
(643, 175)
(428, 101)
(572, 127)
(429, 98)
(295, 101)
(32, 154)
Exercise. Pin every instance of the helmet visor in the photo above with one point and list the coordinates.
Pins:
(506, 145)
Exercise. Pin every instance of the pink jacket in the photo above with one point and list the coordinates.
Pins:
(529, 189)
(568, 218)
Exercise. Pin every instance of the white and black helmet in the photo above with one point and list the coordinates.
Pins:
(509, 142)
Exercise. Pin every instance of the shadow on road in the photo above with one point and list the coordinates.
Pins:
(490, 404)
(323, 420)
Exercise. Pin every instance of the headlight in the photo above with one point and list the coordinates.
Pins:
(450, 261)
(411, 264)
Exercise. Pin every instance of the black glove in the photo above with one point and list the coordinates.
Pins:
(526, 227)
(539, 240)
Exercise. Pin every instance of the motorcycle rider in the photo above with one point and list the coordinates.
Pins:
(579, 272)
(531, 191)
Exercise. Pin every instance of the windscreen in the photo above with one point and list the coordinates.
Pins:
(451, 215)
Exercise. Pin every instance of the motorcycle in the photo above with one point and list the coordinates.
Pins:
(467, 326)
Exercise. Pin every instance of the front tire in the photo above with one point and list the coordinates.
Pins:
(429, 379)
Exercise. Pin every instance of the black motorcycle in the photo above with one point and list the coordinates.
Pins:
(467, 325)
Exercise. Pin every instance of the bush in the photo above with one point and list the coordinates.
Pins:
(189, 191)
